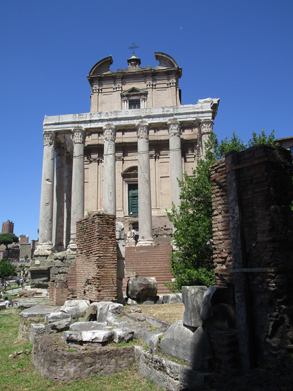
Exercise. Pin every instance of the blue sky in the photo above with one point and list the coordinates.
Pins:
(238, 51)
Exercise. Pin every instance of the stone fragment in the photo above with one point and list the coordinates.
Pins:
(88, 326)
(192, 297)
(108, 312)
(2, 306)
(114, 311)
(36, 329)
(38, 310)
(91, 313)
(131, 302)
(123, 335)
(25, 304)
(215, 295)
(154, 343)
(140, 288)
(100, 336)
(171, 299)
(187, 344)
(74, 336)
(61, 325)
(75, 308)
(56, 316)
(135, 310)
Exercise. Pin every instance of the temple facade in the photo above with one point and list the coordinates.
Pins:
(123, 157)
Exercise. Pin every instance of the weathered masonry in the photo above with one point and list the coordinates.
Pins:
(124, 156)
(252, 230)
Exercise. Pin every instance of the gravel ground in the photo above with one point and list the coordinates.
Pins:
(167, 312)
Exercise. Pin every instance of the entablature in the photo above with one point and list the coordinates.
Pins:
(204, 110)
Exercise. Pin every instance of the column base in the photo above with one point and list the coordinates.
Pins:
(145, 242)
(72, 247)
(44, 249)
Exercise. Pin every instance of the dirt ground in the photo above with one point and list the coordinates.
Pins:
(167, 312)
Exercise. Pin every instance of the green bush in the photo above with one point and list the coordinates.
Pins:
(6, 269)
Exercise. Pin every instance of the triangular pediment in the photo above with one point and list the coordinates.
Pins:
(133, 91)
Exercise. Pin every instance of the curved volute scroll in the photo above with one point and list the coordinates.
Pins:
(165, 61)
(101, 66)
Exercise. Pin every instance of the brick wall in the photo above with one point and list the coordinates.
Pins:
(264, 177)
(221, 225)
(96, 258)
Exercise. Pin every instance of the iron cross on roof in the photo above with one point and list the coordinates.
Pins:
(133, 47)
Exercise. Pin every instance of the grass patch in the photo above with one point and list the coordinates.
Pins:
(18, 373)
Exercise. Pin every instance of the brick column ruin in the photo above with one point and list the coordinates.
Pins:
(252, 232)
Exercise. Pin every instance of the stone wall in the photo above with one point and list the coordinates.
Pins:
(96, 258)
(259, 235)
(56, 360)
(25, 249)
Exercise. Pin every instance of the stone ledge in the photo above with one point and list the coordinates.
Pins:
(55, 360)
(167, 374)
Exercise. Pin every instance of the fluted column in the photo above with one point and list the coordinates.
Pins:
(45, 243)
(59, 195)
(77, 200)
(109, 199)
(144, 186)
(67, 208)
(175, 160)
(205, 129)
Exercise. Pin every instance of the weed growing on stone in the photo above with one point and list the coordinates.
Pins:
(129, 343)
(18, 373)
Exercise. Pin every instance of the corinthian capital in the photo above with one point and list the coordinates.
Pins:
(109, 132)
(174, 128)
(78, 135)
(49, 138)
(143, 130)
(206, 127)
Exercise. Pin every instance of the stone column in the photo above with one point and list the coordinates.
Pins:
(67, 208)
(77, 199)
(144, 186)
(176, 171)
(45, 244)
(205, 129)
(109, 199)
(59, 195)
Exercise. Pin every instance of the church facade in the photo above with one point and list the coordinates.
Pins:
(123, 157)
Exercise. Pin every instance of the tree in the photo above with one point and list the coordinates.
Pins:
(225, 146)
(6, 269)
(192, 263)
(8, 239)
(262, 138)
